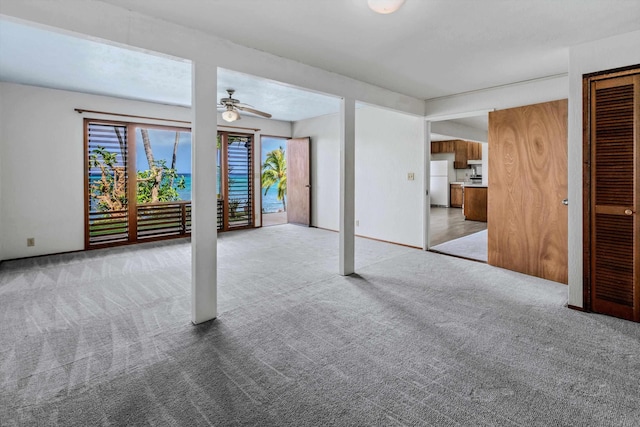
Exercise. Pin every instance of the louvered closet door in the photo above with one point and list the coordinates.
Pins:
(615, 227)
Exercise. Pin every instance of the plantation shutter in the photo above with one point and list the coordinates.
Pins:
(240, 187)
(106, 185)
(614, 197)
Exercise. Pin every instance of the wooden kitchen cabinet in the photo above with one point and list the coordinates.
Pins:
(442, 147)
(456, 195)
(463, 151)
(447, 146)
(474, 151)
(475, 203)
(460, 161)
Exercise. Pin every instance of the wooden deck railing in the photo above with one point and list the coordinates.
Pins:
(164, 219)
(108, 228)
(153, 221)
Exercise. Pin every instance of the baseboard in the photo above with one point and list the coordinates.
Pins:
(370, 238)
(575, 307)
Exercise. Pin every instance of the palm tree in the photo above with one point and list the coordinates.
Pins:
(274, 170)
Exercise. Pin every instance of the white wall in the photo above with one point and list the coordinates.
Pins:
(2, 138)
(42, 162)
(389, 145)
(325, 168)
(515, 95)
(601, 55)
(42, 174)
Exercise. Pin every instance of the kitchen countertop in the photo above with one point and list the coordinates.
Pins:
(469, 184)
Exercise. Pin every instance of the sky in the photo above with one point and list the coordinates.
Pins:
(162, 147)
(270, 143)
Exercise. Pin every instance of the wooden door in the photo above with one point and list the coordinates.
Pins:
(298, 181)
(526, 218)
(613, 187)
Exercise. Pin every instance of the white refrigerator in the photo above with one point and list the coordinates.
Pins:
(441, 173)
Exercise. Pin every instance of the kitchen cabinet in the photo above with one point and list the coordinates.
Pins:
(474, 151)
(456, 195)
(460, 161)
(447, 146)
(442, 147)
(475, 203)
(463, 151)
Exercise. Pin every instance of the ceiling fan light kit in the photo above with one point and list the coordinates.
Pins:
(385, 6)
(230, 115)
(232, 105)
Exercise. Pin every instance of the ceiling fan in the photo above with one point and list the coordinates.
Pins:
(231, 106)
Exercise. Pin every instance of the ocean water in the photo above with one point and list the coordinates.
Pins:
(185, 194)
(270, 202)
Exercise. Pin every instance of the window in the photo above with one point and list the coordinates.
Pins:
(137, 183)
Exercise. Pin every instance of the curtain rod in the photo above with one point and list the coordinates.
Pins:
(80, 111)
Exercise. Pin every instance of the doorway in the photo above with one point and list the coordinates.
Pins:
(235, 186)
(612, 193)
(285, 181)
(273, 179)
(458, 158)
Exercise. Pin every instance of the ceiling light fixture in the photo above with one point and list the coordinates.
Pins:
(230, 115)
(385, 6)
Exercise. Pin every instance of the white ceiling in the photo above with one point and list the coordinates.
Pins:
(429, 48)
(40, 57)
(284, 102)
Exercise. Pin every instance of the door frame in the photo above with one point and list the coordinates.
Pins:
(587, 231)
(259, 163)
(224, 178)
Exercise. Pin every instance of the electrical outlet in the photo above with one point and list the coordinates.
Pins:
(31, 241)
(411, 176)
(357, 223)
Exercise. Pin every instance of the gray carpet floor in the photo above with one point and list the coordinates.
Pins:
(415, 338)
(473, 246)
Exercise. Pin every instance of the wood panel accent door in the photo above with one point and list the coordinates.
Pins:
(527, 221)
(614, 128)
(299, 181)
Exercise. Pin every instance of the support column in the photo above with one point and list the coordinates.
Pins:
(204, 203)
(426, 218)
(347, 186)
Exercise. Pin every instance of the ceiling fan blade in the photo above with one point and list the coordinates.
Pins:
(256, 112)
